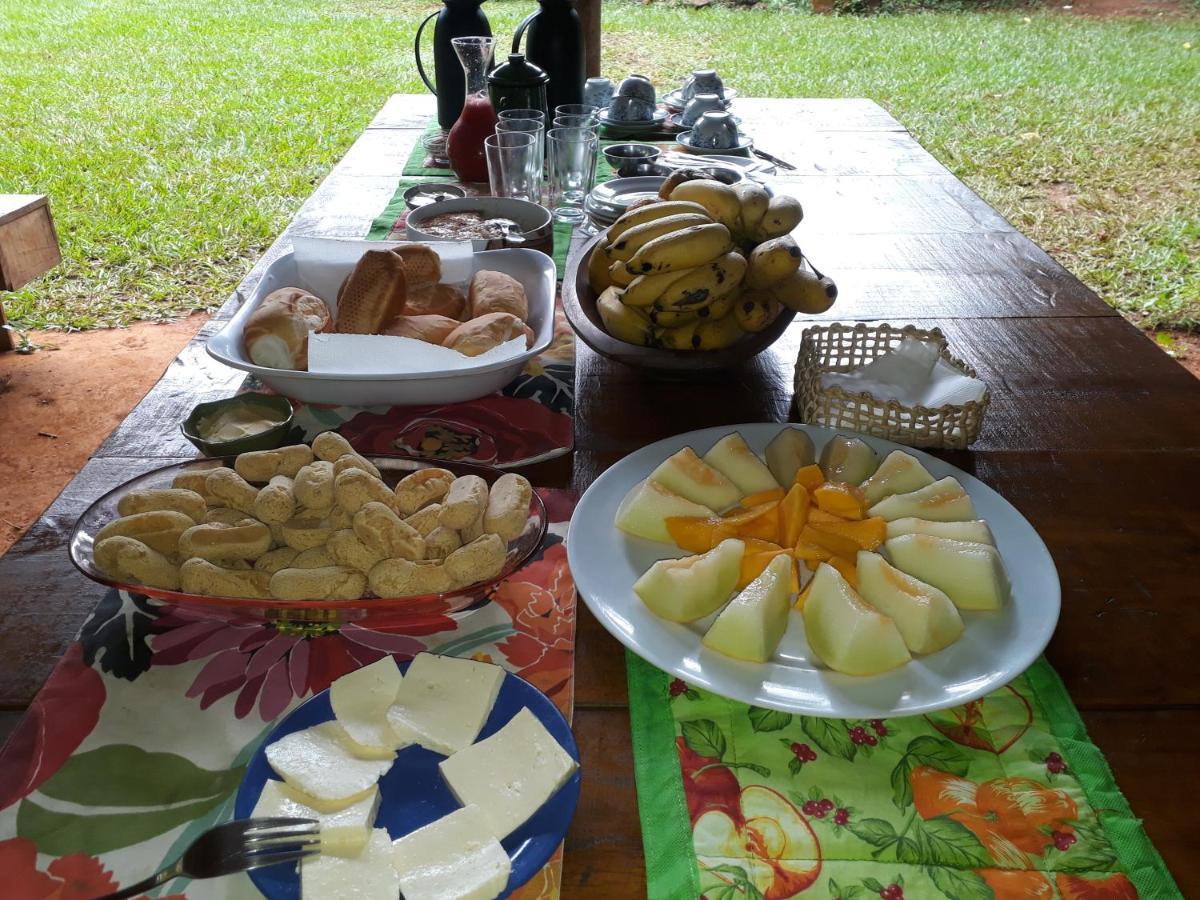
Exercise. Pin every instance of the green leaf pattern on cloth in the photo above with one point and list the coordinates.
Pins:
(977, 802)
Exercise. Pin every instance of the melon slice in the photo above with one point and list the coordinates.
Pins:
(683, 590)
(976, 530)
(644, 511)
(732, 456)
(845, 633)
(687, 475)
(942, 501)
(788, 452)
(900, 473)
(971, 574)
(848, 460)
(925, 616)
(753, 623)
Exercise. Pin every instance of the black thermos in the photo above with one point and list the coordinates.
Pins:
(457, 18)
(555, 45)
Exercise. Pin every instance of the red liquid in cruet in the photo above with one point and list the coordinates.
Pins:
(464, 144)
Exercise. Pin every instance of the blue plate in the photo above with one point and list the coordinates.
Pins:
(413, 794)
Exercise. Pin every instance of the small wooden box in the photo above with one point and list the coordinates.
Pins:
(28, 246)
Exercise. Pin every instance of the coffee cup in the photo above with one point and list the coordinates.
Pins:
(698, 106)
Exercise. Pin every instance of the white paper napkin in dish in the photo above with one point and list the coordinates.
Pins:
(322, 264)
(913, 374)
(386, 354)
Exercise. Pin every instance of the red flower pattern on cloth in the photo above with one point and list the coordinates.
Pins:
(1014, 818)
(62, 714)
(74, 877)
(540, 599)
(268, 667)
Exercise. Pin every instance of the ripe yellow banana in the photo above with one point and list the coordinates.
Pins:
(681, 337)
(755, 310)
(783, 214)
(719, 308)
(636, 237)
(624, 322)
(684, 249)
(753, 199)
(718, 198)
(705, 283)
(772, 261)
(716, 334)
(619, 275)
(597, 270)
(669, 318)
(645, 289)
(649, 213)
(804, 292)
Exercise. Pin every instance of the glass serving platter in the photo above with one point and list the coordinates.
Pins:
(309, 613)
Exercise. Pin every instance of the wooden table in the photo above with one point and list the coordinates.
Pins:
(1093, 433)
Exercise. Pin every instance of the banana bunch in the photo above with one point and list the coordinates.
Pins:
(702, 267)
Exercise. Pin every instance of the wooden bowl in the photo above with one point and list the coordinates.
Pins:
(579, 303)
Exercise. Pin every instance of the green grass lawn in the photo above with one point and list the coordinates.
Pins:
(176, 137)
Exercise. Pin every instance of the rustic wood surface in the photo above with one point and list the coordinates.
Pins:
(1093, 433)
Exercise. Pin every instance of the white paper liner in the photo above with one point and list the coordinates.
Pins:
(384, 354)
(913, 374)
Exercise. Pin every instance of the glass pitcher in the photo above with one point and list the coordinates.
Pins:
(464, 145)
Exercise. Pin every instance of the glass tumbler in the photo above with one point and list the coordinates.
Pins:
(513, 169)
(522, 114)
(529, 126)
(576, 109)
(567, 121)
(571, 160)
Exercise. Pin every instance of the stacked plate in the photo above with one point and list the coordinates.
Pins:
(619, 128)
(673, 100)
(608, 201)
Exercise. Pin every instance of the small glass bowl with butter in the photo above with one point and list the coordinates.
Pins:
(251, 421)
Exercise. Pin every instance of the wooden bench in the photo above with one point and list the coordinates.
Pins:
(28, 246)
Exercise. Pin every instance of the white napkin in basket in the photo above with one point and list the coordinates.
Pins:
(913, 374)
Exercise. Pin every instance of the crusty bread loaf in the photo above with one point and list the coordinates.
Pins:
(372, 295)
(482, 333)
(493, 292)
(442, 300)
(431, 329)
(276, 334)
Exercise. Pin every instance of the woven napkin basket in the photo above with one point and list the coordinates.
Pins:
(840, 348)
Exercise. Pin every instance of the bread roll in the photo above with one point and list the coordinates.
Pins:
(314, 558)
(274, 560)
(354, 461)
(199, 576)
(327, 583)
(387, 534)
(306, 533)
(443, 300)
(276, 503)
(225, 543)
(482, 333)
(421, 487)
(354, 488)
(188, 502)
(406, 578)
(441, 542)
(314, 485)
(464, 502)
(158, 529)
(347, 549)
(263, 465)
(492, 292)
(226, 515)
(232, 489)
(426, 519)
(276, 333)
(479, 560)
(508, 506)
(430, 329)
(329, 445)
(372, 295)
(422, 265)
(128, 559)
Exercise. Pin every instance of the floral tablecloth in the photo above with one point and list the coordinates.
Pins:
(1000, 799)
(137, 742)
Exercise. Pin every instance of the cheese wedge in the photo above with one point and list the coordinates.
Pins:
(343, 833)
(369, 876)
(444, 701)
(455, 858)
(360, 701)
(510, 774)
(317, 762)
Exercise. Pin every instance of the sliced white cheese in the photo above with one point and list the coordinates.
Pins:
(455, 858)
(343, 833)
(510, 774)
(318, 762)
(444, 701)
(371, 875)
(360, 701)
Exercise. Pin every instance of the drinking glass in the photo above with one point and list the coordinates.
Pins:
(513, 169)
(530, 126)
(576, 109)
(523, 114)
(571, 155)
(568, 121)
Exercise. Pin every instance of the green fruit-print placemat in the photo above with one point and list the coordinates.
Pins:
(1005, 797)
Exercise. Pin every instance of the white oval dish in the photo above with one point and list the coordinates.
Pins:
(536, 272)
(994, 649)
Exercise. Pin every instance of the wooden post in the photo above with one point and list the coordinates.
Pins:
(28, 246)
(589, 16)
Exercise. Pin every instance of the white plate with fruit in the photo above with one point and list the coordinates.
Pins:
(895, 583)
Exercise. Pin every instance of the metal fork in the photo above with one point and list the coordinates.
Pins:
(236, 847)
